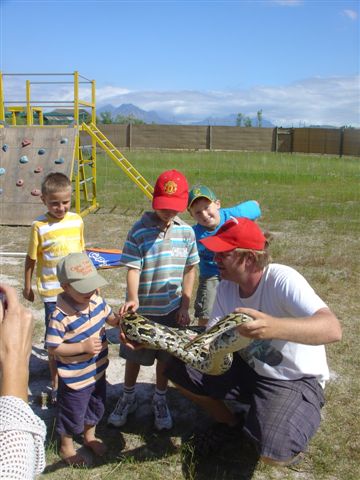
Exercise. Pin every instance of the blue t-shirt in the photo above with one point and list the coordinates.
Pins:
(208, 267)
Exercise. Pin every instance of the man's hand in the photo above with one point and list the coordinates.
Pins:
(320, 328)
(263, 327)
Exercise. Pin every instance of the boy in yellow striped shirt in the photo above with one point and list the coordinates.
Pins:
(53, 235)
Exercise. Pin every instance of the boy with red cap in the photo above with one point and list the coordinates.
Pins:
(280, 375)
(160, 254)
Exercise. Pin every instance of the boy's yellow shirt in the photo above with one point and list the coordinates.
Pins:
(50, 240)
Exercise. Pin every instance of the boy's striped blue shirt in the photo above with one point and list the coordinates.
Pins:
(161, 256)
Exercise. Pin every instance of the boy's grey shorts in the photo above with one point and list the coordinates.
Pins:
(205, 296)
(146, 356)
(283, 415)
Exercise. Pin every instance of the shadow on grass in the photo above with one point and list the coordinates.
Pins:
(138, 442)
(113, 439)
(237, 461)
(155, 446)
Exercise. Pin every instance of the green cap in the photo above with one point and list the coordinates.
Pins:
(199, 191)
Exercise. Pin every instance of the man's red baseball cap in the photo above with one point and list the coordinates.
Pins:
(236, 233)
(170, 192)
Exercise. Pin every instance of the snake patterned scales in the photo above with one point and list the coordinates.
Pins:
(210, 352)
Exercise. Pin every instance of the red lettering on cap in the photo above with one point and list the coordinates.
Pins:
(83, 268)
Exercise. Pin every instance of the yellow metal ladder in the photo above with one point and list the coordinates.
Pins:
(119, 158)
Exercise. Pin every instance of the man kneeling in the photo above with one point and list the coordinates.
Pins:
(282, 372)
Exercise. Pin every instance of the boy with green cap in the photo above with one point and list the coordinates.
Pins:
(76, 337)
(205, 208)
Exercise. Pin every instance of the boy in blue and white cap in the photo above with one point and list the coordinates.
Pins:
(205, 208)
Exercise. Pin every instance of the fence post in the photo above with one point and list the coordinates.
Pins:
(341, 143)
(129, 136)
(275, 140)
(292, 140)
(209, 134)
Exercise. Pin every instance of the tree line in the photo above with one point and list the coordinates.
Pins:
(106, 119)
(242, 120)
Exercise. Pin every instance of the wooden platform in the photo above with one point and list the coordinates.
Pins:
(18, 205)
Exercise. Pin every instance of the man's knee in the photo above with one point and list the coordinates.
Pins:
(283, 463)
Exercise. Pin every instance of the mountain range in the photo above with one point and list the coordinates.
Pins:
(128, 109)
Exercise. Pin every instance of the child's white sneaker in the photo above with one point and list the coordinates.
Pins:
(118, 416)
(163, 420)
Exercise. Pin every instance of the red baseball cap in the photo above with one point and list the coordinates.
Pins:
(170, 192)
(236, 233)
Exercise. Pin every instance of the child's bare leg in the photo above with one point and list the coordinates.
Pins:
(132, 370)
(92, 442)
(68, 452)
(161, 379)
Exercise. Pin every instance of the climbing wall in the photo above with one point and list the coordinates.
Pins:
(27, 155)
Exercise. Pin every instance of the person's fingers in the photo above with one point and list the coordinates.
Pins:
(9, 294)
(16, 327)
(2, 305)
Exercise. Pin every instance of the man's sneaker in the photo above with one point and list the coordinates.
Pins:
(122, 409)
(163, 420)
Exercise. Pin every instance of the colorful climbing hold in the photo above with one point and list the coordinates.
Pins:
(24, 159)
(1, 191)
(25, 142)
(64, 140)
(5, 147)
(41, 151)
(36, 192)
(38, 170)
(2, 171)
(59, 161)
(20, 182)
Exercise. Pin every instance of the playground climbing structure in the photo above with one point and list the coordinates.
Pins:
(28, 152)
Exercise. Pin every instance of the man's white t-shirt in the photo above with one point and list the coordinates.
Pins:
(282, 292)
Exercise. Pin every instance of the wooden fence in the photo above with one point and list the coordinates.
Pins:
(291, 140)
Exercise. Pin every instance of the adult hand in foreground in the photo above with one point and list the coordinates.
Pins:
(16, 328)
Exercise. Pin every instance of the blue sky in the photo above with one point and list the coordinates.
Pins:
(297, 60)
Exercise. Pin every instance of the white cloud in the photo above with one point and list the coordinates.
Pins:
(331, 101)
(105, 93)
(352, 14)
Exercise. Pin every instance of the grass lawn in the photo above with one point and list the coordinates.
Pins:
(288, 187)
